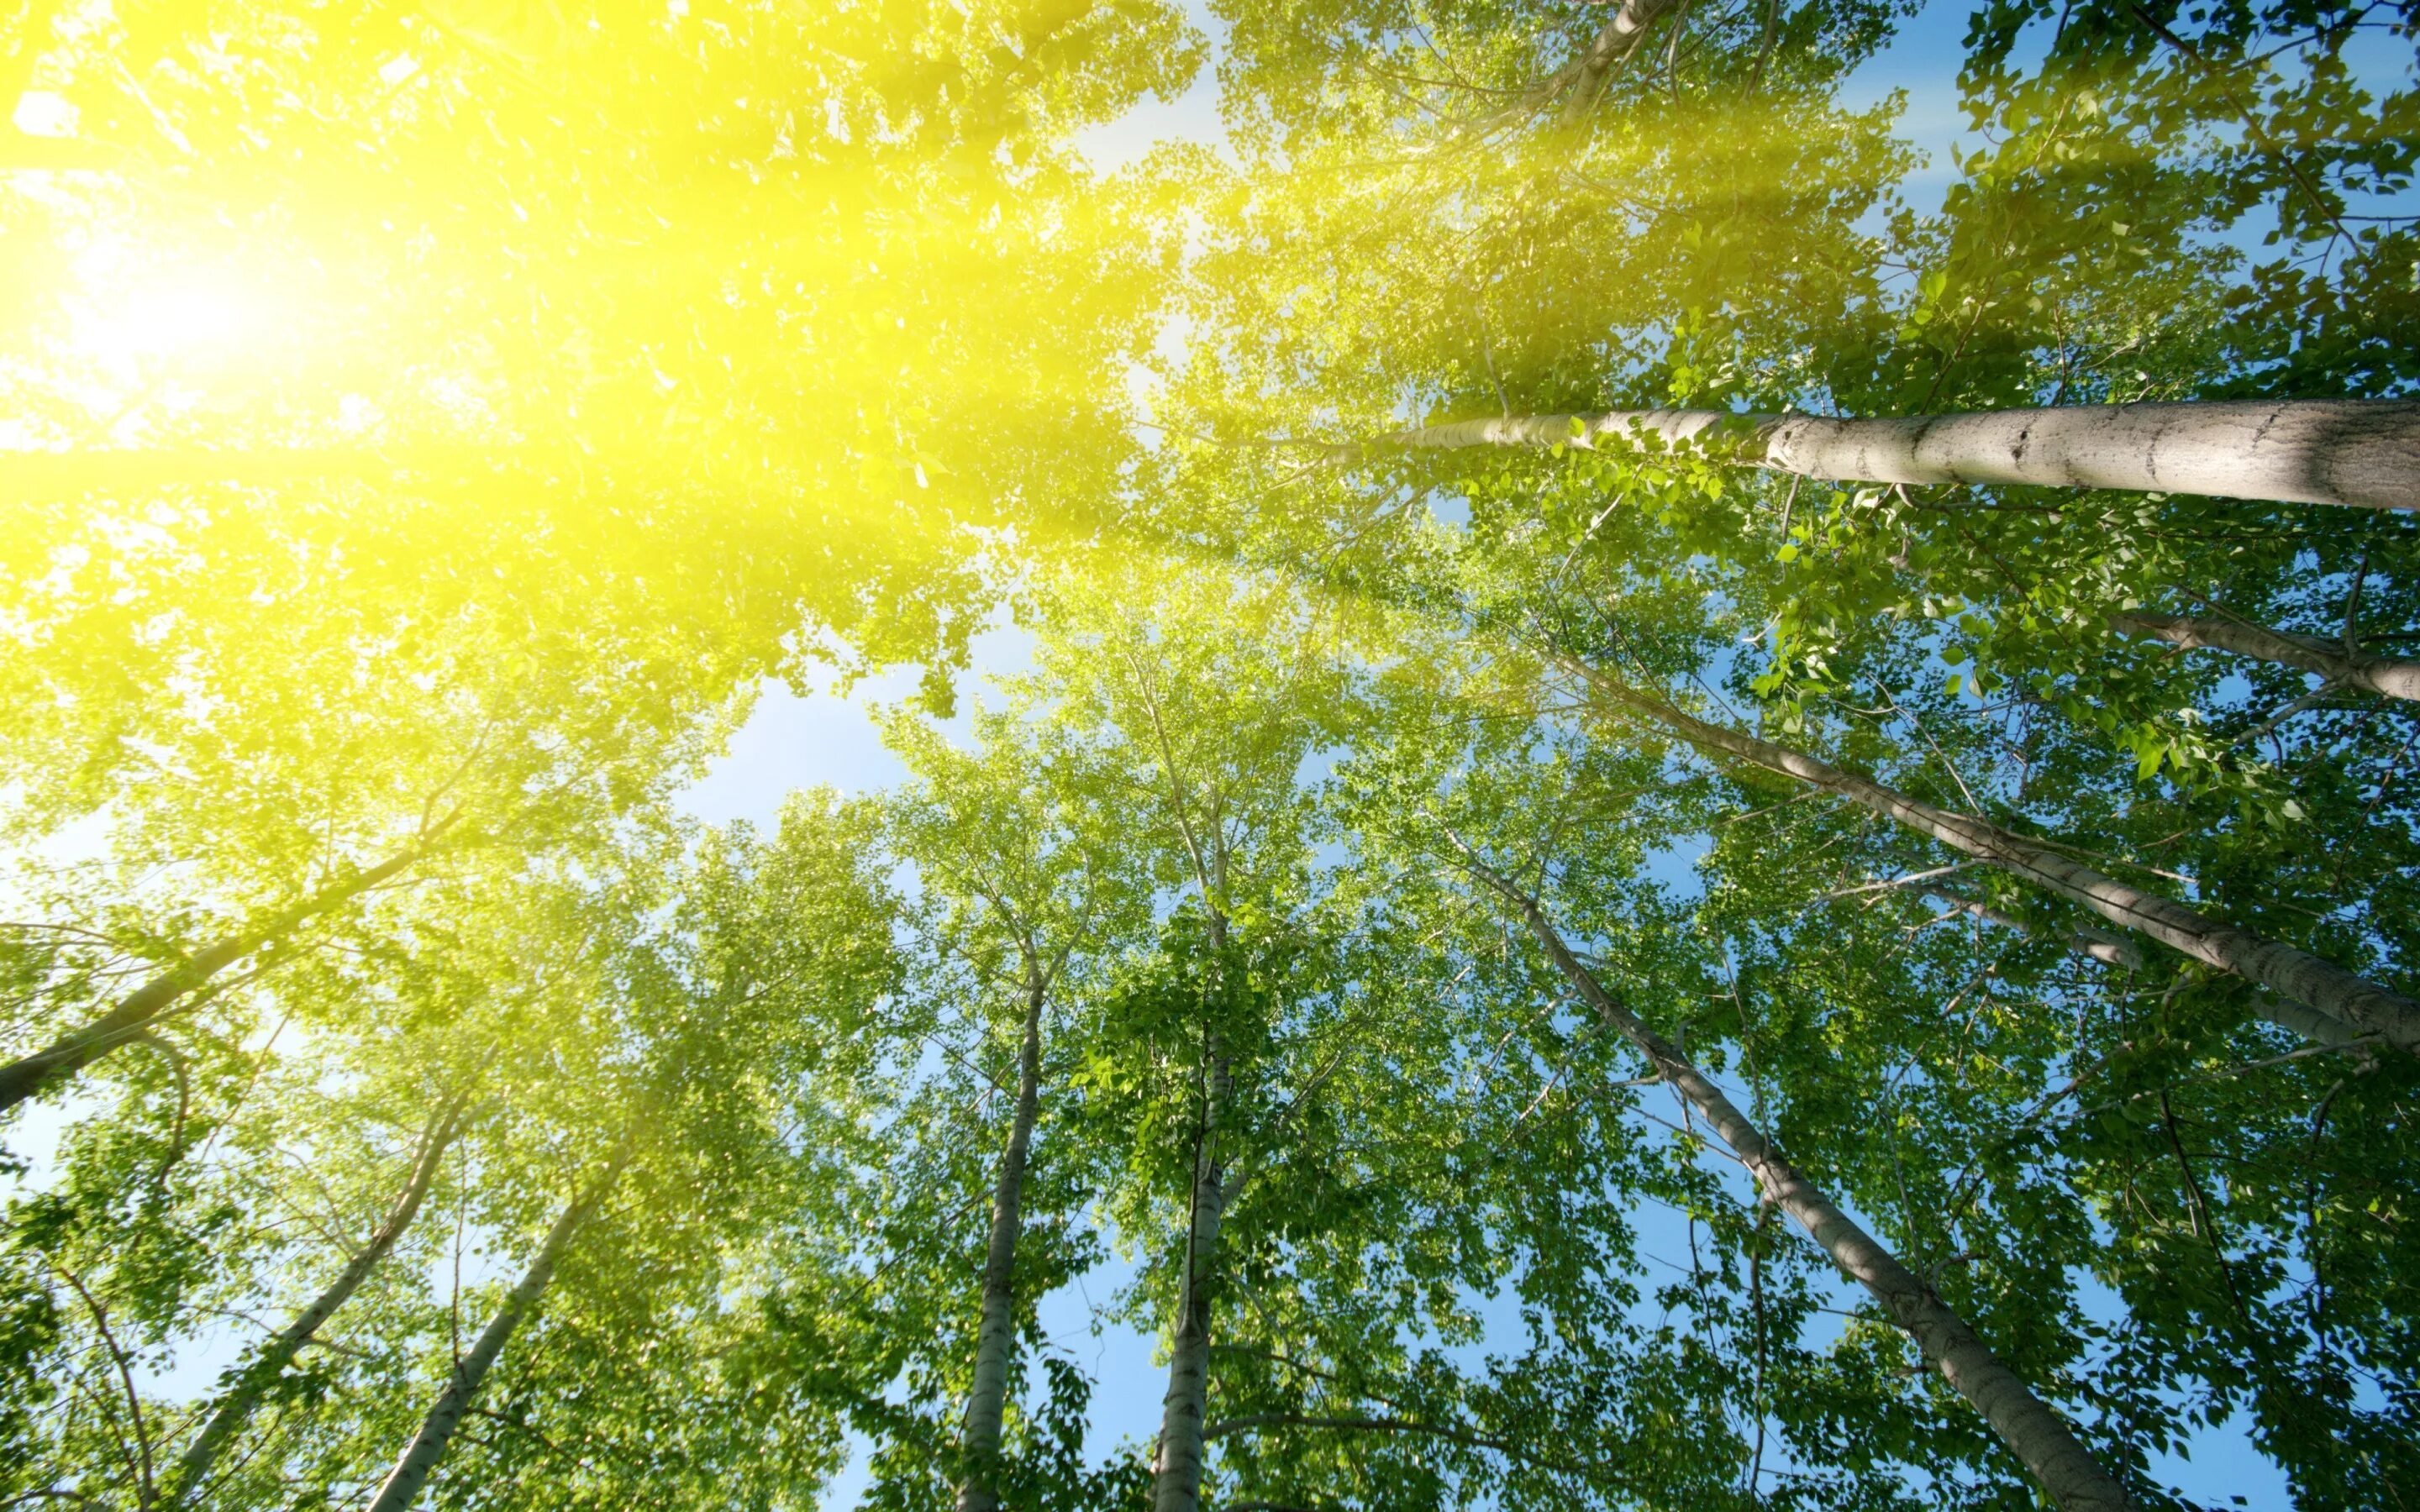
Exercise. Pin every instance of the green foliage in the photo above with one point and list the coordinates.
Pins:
(430, 427)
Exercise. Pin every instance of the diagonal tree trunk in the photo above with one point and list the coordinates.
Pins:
(249, 1384)
(403, 1484)
(2037, 1436)
(2308, 1022)
(72, 1052)
(2354, 1001)
(996, 1338)
(2395, 676)
(2357, 451)
(2117, 950)
(2097, 944)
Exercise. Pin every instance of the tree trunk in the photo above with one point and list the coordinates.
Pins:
(1621, 36)
(2357, 451)
(996, 1339)
(1177, 1460)
(1177, 1481)
(2037, 1436)
(2354, 1001)
(2309, 1023)
(72, 1052)
(2100, 945)
(244, 1392)
(403, 1484)
(2117, 952)
(2393, 676)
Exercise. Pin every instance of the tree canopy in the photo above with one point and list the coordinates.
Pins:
(1702, 799)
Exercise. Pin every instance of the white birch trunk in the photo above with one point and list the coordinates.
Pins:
(2357, 451)
(72, 1052)
(2107, 948)
(245, 1391)
(1176, 1482)
(2037, 1436)
(1621, 36)
(2118, 951)
(2393, 676)
(996, 1337)
(2354, 1001)
(403, 1484)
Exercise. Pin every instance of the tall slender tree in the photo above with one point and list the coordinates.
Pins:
(2031, 1430)
(1002, 836)
(2356, 1003)
(402, 1486)
(2361, 453)
(255, 1379)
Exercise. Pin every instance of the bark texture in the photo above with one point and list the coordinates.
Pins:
(2309, 1023)
(244, 1392)
(1176, 1484)
(2037, 1436)
(1583, 78)
(996, 1338)
(403, 1484)
(2357, 451)
(1178, 1459)
(2099, 945)
(2354, 1001)
(2393, 676)
(72, 1052)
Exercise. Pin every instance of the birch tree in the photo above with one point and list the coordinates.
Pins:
(2033, 1432)
(1004, 840)
(1215, 765)
(2359, 453)
(260, 1373)
(402, 1486)
(1600, 611)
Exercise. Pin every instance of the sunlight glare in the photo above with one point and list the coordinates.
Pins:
(41, 113)
(179, 312)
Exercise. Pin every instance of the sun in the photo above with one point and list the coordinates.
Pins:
(186, 314)
(140, 312)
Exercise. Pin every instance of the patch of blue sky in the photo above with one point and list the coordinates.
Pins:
(1189, 118)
